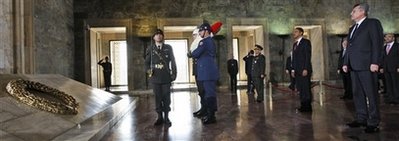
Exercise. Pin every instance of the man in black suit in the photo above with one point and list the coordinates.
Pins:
(232, 68)
(363, 56)
(288, 69)
(302, 68)
(390, 68)
(346, 76)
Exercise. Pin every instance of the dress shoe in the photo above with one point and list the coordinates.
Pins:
(159, 121)
(372, 129)
(195, 113)
(200, 114)
(209, 120)
(355, 124)
(168, 123)
(345, 97)
(259, 100)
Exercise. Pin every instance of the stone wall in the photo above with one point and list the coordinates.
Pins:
(54, 37)
(6, 45)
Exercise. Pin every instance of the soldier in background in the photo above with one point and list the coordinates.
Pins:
(107, 71)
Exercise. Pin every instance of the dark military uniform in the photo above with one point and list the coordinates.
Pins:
(248, 67)
(107, 71)
(161, 66)
(232, 68)
(258, 69)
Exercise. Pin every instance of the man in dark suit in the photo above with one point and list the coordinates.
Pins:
(363, 58)
(207, 71)
(346, 76)
(390, 68)
(248, 67)
(288, 69)
(232, 68)
(302, 68)
(258, 72)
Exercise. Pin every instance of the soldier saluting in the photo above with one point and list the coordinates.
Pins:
(161, 67)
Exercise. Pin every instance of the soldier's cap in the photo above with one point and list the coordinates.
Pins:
(258, 46)
(205, 26)
(158, 31)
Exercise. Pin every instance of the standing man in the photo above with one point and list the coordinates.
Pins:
(207, 71)
(346, 76)
(159, 59)
(390, 69)
(202, 111)
(107, 71)
(288, 69)
(232, 68)
(363, 57)
(258, 72)
(248, 67)
(302, 68)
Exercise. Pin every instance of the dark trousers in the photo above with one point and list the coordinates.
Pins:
(201, 94)
(233, 83)
(249, 83)
(210, 94)
(392, 86)
(365, 88)
(107, 79)
(292, 83)
(259, 87)
(303, 86)
(347, 82)
(162, 96)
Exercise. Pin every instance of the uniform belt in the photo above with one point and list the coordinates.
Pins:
(158, 66)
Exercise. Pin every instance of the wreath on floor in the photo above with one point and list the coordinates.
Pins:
(42, 97)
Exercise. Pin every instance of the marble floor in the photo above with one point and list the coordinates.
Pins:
(240, 118)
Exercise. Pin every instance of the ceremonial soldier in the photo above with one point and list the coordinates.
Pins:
(161, 68)
(107, 71)
(207, 71)
(258, 72)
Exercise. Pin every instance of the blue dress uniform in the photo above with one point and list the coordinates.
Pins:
(161, 66)
(207, 73)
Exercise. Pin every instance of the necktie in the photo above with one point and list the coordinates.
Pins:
(354, 30)
(295, 45)
(388, 48)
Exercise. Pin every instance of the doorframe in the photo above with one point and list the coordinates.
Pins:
(89, 23)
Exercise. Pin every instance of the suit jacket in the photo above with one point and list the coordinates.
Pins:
(258, 66)
(288, 64)
(164, 74)
(205, 54)
(364, 48)
(302, 56)
(341, 59)
(391, 60)
(232, 66)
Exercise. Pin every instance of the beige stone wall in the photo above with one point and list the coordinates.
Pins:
(6, 34)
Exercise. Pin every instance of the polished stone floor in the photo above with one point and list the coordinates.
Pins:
(240, 118)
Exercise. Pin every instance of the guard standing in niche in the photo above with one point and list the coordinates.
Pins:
(161, 68)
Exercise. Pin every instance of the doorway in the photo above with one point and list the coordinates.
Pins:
(315, 34)
(244, 39)
(180, 48)
(111, 42)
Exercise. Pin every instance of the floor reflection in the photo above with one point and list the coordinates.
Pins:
(241, 118)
